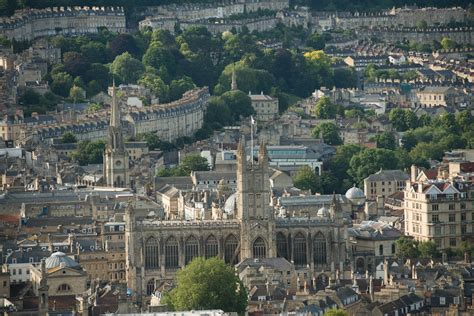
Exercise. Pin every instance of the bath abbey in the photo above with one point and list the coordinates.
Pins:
(241, 225)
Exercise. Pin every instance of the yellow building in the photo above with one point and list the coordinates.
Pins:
(63, 275)
(265, 106)
(429, 97)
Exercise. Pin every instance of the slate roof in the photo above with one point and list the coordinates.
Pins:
(388, 175)
(374, 231)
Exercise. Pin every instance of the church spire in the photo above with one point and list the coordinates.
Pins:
(115, 115)
(233, 86)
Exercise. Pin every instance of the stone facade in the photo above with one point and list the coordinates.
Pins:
(116, 158)
(156, 248)
(440, 211)
(34, 23)
(213, 16)
(384, 183)
(432, 96)
(461, 35)
(265, 106)
(170, 121)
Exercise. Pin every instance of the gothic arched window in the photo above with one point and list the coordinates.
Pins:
(171, 253)
(211, 247)
(151, 254)
(300, 250)
(259, 248)
(191, 249)
(319, 249)
(282, 246)
(150, 287)
(230, 245)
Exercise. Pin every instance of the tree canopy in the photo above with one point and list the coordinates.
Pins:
(207, 284)
(306, 179)
(329, 133)
(68, 138)
(325, 109)
(89, 152)
(193, 162)
(336, 312)
(127, 68)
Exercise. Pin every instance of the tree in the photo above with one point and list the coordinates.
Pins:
(386, 140)
(248, 78)
(448, 43)
(152, 140)
(30, 97)
(345, 78)
(75, 64)
(158, 56)
(238, 103)
(122, 43)
(156, 85)
(127, 68)
(68, 138)
(428, 249)
(306, 179)
(329, 132)
(336, 312)
(94, 107)
(397, 118)
(77, 94)
(316, 41)
(406, 247)
(325, 109)
(218, 113)
(421, 24)
(61, 84)
(426, 151)
(206, 284)
(178, 87)
(465, 120)
(89, 152)
(369, 161)
(194, 162)
(95, 52)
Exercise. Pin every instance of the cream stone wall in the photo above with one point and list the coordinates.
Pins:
(446, 220)
(34, 23)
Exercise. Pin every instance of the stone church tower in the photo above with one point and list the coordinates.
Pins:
(257, 229)
(116, 168)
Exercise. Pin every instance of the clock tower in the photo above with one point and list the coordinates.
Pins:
(116, 168)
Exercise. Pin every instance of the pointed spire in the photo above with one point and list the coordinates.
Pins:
(115, 115)
(233, 86)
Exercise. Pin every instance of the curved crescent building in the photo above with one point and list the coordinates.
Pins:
(34, 23)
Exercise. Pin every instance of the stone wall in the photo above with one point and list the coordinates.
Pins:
(464, 35)
(34, 23)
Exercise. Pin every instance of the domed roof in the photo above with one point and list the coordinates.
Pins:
(356, 195)
(58, 258)
(323, 212)
(229, 205)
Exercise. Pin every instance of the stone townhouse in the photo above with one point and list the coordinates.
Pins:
(34, 23)
(439, 210)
